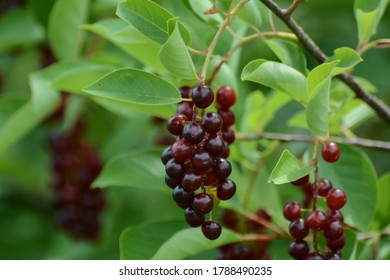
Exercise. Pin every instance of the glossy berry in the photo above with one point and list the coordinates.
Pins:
(228, 118)
(333, 230)
(212, 122)
(191, 181)
(211, 230)
(228, 135)
(193, 133)
(226, 189)
(202, 96)
(330, 152)
(171, 182)
(202, 161)
(298, 249)
(166, 155)
(229, 218)
(215, 145)
(324, 186)
(176, 124)
(202, 203)
(182, 198)
(226, 97)
(174, 169)
(292, 211)
(192, 218)
(182, 150)
(335, 215)
(187, 109)
(221, 168)
(336, 245)
(298, 229)
(316, 220)
(301, 181)
(209, 179)
(336, 199)
(185, 92)
(334, 257)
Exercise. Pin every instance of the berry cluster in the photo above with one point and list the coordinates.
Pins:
(75, 166)
(245, 250)
(196, 166)
(329, 223)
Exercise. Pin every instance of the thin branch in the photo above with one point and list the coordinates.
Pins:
(382, 110)
(308, 138)
(293, 7)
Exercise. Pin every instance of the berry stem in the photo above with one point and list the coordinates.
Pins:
(218, 35)
(293, 7)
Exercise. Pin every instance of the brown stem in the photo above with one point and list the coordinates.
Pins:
(368, 143)
(382, 110)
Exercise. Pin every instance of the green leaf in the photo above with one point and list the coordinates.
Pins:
(141, 169)
(382, 218)
(251, 15)
(134, 86)
(277, 76)
(142, 242)
(130, 40)
(355, 175)
(22, 122)
(288, 169)
(190, 241)
(368, 15)
(64, 33)
(18, 28)
(199, 7)
(150, 19)
(318, 86)
(288, 52)
(347, 57)
(175, 57)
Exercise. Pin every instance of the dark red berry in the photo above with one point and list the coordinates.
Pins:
(336, 199)
(202, 96)
(187, 109)
(202, 161)
(298, 229)
(193, 133)
(211, 230)
(221, 168)
(202, 203)
(212, 122)
(316, 220)
(166, 155)
(228, 135)
(171, 182)
(292, 211)
(334, 257)
(182, 198)
(185, 92)
(324, 185)
(209, 179)
(192, 218)
(182, 150)
(191, 181)
(335, 215)
(226, 97)
(336, 245)
(174, 169)
(228, 118)
(301, 181)
(229, 218)
(330, 152)
(333, 230)
(226, 189)
(298, 249)
(215, 145)
(243, 251)
(176, 124)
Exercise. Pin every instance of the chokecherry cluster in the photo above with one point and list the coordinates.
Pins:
(329, 223)
(244, 250)
(196, 166)
(75, 166)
